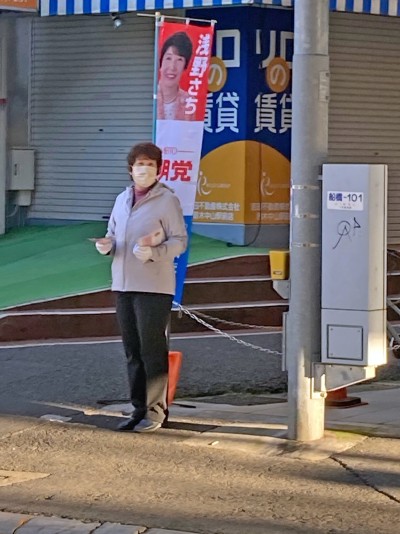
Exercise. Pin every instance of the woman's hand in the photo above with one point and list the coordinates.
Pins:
(104, 245)
(142, 253)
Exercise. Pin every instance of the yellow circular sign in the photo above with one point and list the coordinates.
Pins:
(278, 75)
(216, 75)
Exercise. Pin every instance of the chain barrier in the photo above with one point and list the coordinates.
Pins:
(195, 317)
(232, 323)
(198, 318)
(393, 252)
(393, 347)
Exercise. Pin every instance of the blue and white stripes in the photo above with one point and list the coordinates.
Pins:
(373, 7)
(86, 7)
(79, 7)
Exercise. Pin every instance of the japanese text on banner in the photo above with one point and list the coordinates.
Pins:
(184, 52)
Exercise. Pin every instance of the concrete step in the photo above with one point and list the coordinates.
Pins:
(229, 289)
(30, 325)
(393, 283)
(255, 265)
(243, 333)
(236, 289)
(196, 291)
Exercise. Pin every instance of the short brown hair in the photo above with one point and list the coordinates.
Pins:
(149, 150)
(182, 44)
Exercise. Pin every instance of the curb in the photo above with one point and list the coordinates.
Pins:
(12, 523)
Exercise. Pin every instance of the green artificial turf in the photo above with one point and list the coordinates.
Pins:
(46, 262)
(206, 249)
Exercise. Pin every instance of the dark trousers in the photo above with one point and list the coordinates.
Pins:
(143, 319)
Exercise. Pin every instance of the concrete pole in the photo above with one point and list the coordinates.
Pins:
(3, 125)
(309, 151)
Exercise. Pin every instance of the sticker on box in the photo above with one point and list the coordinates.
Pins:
(345, 200)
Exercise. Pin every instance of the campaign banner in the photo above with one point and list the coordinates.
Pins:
(245, 166)
(184, 52)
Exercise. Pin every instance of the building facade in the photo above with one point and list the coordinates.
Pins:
(80, 94)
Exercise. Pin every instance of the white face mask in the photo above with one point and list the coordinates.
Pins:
(144, 175)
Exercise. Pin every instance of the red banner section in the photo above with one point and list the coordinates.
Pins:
(19, 5)
(184, 56)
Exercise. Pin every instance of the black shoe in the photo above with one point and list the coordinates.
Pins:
(129, 424)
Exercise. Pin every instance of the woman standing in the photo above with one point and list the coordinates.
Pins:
(143, 277)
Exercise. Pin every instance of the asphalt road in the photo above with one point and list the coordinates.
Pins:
(86, 373)
(83, 374)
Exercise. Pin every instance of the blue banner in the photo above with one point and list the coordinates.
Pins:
(245, 167)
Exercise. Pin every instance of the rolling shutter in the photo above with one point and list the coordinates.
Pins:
(364, 121)
(91, 100)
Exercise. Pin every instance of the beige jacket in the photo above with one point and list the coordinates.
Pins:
(126, 225)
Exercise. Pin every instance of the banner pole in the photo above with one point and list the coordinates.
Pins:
(158, 20)
(209, 21)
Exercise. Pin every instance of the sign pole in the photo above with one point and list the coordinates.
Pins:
(309, 151)
(157, 22)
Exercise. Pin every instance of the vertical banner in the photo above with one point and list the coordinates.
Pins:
(245, 168)
(184, 52)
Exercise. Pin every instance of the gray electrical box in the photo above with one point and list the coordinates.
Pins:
(22, 175)
(354, 211)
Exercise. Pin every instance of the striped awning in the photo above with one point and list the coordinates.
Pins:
(87, 7)
(79, 7)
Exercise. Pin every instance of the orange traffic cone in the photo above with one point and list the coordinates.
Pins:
(174, 369)
(339, 399)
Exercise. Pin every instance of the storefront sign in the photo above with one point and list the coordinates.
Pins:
(19, 5)
(245, 166)
(184, 52)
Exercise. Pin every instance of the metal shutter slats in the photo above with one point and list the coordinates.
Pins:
(364, 112)
(91, 100)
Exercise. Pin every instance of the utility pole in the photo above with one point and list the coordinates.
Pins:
(309, 151)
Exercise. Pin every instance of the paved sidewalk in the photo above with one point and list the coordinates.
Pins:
(28, 524)
(260, 429)
(378, 416)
